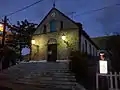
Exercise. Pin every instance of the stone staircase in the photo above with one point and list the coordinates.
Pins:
(40, 76)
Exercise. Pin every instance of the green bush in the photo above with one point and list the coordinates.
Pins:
(78, 63)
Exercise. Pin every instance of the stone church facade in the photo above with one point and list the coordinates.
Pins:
(56, 35)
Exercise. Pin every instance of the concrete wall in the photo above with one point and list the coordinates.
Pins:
(40, 53)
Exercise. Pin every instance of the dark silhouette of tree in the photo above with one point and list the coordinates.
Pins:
(8, 57)
(23, 31)
(113, 45)
(22, 34)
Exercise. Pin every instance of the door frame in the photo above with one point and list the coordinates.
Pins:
(51, 41)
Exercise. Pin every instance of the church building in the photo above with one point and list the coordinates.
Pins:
(57, 35)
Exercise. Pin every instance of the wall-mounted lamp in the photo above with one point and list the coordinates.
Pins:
(63, 37)
(33, 41)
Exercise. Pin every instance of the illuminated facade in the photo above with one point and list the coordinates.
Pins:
(56, 35)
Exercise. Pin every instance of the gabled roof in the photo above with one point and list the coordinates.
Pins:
(80, 25)
(87, 36)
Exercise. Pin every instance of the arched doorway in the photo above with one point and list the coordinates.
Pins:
(52, 50)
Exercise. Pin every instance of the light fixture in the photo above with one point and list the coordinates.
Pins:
(1, 27)
(63, 37)
(33, 41)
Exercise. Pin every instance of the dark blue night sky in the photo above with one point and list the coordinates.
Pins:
(97, 23)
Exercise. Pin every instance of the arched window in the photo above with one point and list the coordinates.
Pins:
(61, 25)
(85, 46)
(44, 29)
(90, 49)
(93, 51)
(52, 26)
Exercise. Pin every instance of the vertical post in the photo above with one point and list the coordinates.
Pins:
(111, 81)
(119, 76)
(30, 48)
(4, 31)
(54, 3)
(97, 81)
(20, 52)
(119, 79)
(73, 15)
(116, 84)
(20, 43)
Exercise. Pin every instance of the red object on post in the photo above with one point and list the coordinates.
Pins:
(102, 56)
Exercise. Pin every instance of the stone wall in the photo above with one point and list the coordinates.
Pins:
(39, 50)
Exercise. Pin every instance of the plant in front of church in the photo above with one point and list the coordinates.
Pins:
(22, 33)
(79, 66)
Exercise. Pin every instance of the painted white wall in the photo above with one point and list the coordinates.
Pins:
(83, 38)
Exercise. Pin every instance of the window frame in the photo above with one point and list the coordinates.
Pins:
(53, 24)
(44, 29)
(61, 25)
(86, 46)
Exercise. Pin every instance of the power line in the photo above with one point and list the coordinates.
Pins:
(95, 10)
(24, 8)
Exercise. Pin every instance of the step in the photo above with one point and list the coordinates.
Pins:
(59, 76)
(47, 82)
(65, 71)
(48, 79)
(57, 79)
(44, 85)
(62, 73)
(53, 74)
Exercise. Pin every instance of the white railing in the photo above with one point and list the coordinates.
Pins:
(113, 79)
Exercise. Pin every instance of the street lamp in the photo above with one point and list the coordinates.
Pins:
(33, 41)
(1, 27)
(63, 37)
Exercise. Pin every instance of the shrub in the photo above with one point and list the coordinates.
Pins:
(79, 65)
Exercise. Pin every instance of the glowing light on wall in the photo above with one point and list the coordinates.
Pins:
(1, 27)
(63, 37)
(33, 41)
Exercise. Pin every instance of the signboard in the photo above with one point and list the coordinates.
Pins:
(103, 67)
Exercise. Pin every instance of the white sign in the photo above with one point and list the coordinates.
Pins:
(103, 67)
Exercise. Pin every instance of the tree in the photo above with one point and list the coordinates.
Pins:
(113, 45)
(22, 34)
(8, 57)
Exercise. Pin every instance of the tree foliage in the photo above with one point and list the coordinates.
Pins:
(22, 33)
(113, 44)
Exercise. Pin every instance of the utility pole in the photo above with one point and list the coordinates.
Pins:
(54, 3)
(4, 30)
(73, 15)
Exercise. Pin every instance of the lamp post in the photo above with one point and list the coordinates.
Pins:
(4, 28)
(1, 27)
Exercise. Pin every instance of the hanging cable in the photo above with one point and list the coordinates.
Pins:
(95, 10)
(24, 8)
